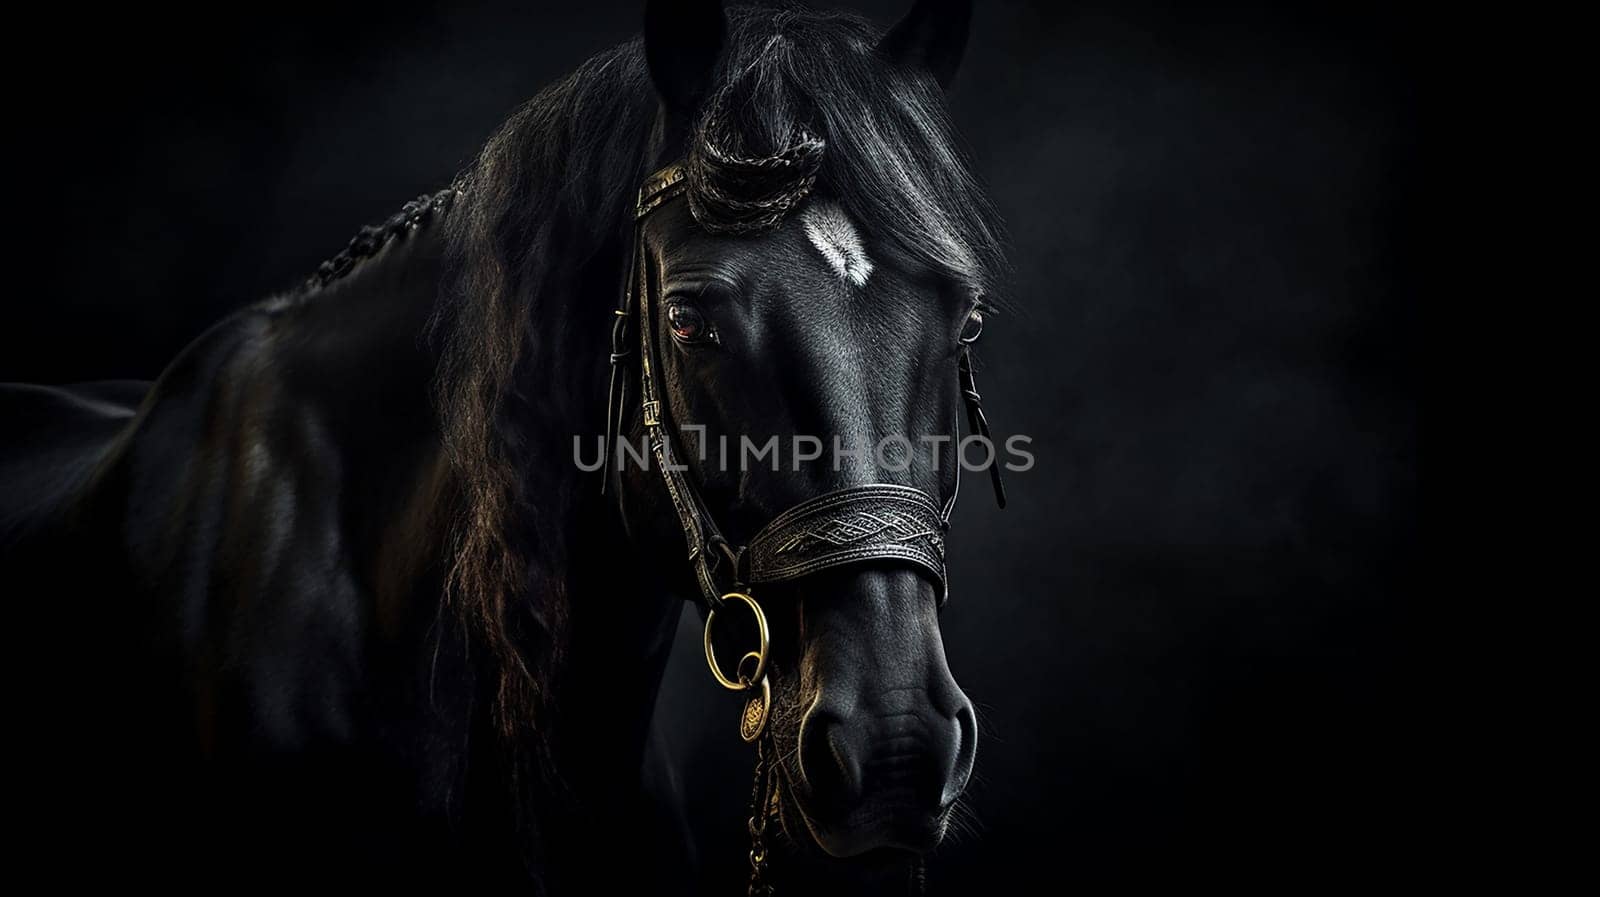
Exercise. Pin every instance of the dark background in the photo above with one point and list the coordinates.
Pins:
(1183, 634)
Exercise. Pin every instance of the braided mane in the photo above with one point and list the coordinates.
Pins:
(734, 193)
(372, 238)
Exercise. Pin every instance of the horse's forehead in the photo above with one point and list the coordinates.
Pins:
(815, 265)
(833, 234)
(820, 243)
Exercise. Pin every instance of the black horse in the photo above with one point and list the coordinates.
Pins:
(335, 599)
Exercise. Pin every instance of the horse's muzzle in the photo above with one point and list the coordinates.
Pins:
(888, 741)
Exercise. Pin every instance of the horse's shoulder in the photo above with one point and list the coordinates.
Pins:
(224, 425)
(234, 486)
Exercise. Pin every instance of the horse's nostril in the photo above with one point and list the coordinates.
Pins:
(966, 726)
(831, 770)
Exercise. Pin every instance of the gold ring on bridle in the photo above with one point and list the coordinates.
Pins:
(743, 683)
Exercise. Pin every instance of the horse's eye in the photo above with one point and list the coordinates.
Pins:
(973, 328)
(687, 323)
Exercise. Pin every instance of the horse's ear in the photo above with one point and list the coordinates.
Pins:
(682, 42)
(931, 37)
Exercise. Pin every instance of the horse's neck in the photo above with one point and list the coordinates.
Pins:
(622, 621)
(364, 338)
(369, 324)
(360, 344)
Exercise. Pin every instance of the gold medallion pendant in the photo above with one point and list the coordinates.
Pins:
(754, 719)
(759, 703)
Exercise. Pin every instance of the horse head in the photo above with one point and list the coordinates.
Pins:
(811, 268)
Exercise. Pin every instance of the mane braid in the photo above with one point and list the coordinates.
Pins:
(730, 193)
(373, 238)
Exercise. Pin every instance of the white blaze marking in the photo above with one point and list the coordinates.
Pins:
(831, 231)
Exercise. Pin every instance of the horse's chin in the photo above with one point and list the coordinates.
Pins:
(866, 836)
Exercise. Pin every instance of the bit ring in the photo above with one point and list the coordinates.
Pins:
(742, 683)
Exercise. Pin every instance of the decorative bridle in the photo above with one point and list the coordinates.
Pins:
(852, 525)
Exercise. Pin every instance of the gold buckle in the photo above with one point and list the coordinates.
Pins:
(652, 414)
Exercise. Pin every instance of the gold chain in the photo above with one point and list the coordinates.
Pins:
(763, 797)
